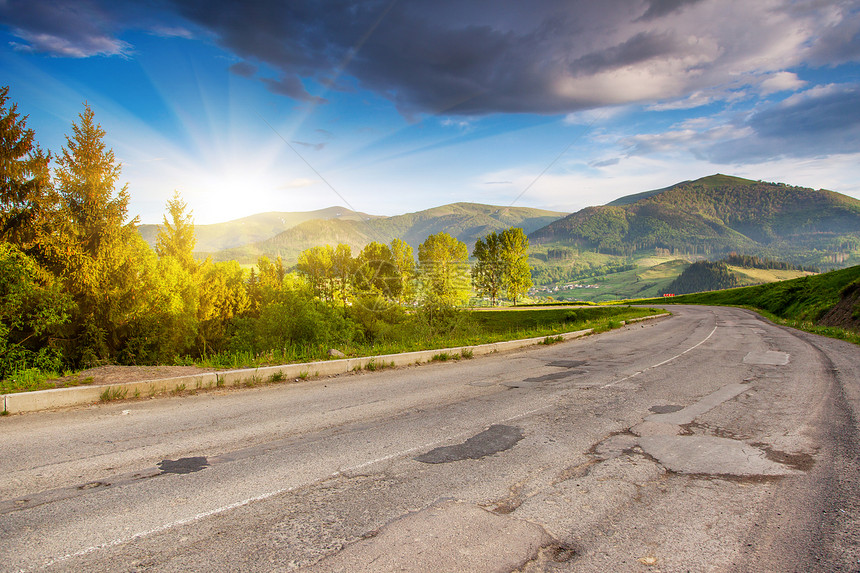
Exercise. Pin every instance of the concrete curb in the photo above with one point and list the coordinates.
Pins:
(81, 395)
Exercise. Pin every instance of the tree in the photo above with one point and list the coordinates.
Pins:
(96, 249)
(404, 260)
(32, 307)
(502, 265)
(342, 270)
(27, 200)
(444, 270)
(316, 264)
(488, 273)
(223, 296)
(376, 272)
(176, 237)
(514, 255)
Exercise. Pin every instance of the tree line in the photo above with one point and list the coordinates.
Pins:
(80, 287)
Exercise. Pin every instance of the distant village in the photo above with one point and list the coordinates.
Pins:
(557, 288)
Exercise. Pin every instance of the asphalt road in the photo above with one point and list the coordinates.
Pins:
(708, 441)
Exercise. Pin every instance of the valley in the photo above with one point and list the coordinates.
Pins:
(633, 247)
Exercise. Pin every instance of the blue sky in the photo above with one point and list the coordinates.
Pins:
(390, 107)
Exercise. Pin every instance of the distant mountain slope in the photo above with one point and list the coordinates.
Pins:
(716, 215)
(259, 227)
(465, 221)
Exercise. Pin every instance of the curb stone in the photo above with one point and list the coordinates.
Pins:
(21, 402)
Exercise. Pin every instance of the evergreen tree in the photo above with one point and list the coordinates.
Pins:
(27, 200)
(97, 247)
(176, 237)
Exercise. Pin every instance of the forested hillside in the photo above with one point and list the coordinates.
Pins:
(719, 214)
(259, 227)
(465, 221)
(80, 287)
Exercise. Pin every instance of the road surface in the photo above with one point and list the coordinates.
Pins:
(708, 441)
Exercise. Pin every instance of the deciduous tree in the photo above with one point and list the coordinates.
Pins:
(514, 253)
(488, 272)
(444, 270)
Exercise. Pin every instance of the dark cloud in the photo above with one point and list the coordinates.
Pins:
(244, 69)
(472, 57)
(839, 44)
(640, 48)
(291, 86)
(65, 29)
(659, 8)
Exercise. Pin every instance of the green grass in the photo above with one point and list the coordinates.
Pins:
(111, 393)
(470, 329)
(651, 275)
(27, 381)
(759, 276)
(799, 303)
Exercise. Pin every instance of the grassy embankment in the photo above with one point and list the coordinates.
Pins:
(799, 303)
(467, 328)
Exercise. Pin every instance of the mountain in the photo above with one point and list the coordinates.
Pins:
(219, 236)
(716, 215)
(465, 221)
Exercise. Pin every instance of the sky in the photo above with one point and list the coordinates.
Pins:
(396, 106)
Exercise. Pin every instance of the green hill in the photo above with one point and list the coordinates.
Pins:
(465, 221)
(827, 300)
(717, 215)
(259, 227)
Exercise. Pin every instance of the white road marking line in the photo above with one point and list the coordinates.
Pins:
(661, 363)
(261, 497)
(271, 494)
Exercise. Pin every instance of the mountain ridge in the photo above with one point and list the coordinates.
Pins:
(716, 215)
(465, 221)
(258, 227)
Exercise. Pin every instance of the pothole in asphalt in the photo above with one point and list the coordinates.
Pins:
(767, 358)
(548, 377)
(711, 455)
(799, 461)
(668, 409)
(497, 438)
(183, 465)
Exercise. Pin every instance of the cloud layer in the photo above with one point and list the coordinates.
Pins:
(479, 57)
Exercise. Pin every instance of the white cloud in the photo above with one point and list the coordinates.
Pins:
(781, 81)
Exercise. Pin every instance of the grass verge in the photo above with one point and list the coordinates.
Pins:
(471, 329)
(799, 303)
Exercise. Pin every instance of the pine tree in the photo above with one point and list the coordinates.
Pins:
(98, 249)
(27, 200)
(176, 237)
